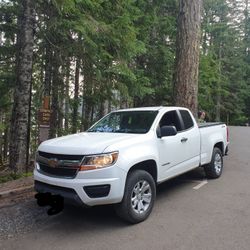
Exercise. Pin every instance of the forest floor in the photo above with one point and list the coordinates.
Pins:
(15, 191)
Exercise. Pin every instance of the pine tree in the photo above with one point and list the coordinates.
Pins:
(22, 92)
(187, 55)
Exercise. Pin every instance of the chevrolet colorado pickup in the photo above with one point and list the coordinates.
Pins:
(123, 156)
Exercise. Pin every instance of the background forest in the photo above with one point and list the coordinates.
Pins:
(93, 56)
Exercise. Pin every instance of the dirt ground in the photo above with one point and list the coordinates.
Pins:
(15, 191)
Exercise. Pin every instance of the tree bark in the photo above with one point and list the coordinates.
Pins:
(87, 94)
(54, 99)
(67, 80)
(187, 55)
(61, 96)
(83, 106)
(6, 137)
(76, 97)
(246, 28)
(48, 71)
(19, 120)
(218, 89)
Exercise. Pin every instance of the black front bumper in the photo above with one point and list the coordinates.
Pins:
(69, 194)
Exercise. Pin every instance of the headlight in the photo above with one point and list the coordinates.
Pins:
(98, 161)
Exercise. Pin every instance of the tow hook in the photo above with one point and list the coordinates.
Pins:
(56, 202)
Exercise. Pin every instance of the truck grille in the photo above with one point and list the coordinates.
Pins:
(59, 165)
(60, 156)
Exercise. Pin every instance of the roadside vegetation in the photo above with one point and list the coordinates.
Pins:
(5, 177)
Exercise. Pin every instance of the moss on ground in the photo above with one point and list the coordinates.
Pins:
(13, 176)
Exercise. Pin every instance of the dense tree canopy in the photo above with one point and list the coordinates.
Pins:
(92, 56)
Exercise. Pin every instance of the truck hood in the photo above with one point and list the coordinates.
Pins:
(83, 143)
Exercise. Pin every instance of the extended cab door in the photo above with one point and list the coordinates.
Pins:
(178, 153)
(170, 148)
(191, 133)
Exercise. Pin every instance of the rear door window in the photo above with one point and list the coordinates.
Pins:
(171, 119)
(187, 119)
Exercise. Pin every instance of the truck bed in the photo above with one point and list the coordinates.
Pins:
(209, 124)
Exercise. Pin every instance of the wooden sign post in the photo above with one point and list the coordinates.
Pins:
(44, 116)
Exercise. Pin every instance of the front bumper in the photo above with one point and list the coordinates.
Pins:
(94, 187)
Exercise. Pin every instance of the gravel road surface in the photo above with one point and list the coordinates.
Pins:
(190, 213)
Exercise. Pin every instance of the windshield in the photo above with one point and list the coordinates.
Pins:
(138, 122)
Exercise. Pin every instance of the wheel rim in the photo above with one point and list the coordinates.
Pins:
(141, 197)
(217, 163)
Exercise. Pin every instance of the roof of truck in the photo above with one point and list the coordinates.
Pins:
(156, 108)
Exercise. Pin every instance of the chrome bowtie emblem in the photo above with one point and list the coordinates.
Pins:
(53, 163)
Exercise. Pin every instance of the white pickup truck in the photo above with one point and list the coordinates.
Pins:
(122, 158)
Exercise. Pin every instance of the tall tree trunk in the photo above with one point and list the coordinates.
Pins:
(101, 109)
(218, 89)
(83, 106)
(87, 94)
(48, 70)
(66, 114)
(54, 99)
(6, 137)
(60, 105)
(20, 112)
(28, 132)
(76, 97)
(187, 55)
(88, 108)
(246, 28)
(92, 114)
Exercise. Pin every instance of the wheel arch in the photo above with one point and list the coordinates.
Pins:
(149, 166)
(220, 145)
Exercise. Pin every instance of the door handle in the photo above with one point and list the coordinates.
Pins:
(184, 139)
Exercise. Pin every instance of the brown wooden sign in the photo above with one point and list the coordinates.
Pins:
(44, 116)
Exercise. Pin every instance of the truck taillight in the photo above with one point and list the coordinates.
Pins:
(227, 134)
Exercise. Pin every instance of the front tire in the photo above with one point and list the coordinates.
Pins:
(214, 169)
(139, 197)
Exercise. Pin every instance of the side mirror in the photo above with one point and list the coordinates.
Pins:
(166, 131)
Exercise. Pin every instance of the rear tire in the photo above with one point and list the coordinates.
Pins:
(139, 197)
(214, 169)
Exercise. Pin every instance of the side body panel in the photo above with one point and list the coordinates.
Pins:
(210, 136)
